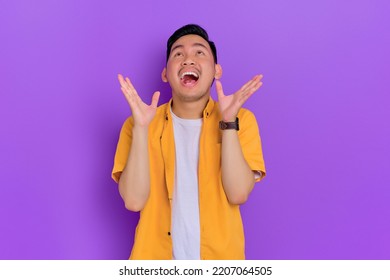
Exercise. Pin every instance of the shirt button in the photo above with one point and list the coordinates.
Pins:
(169, 233)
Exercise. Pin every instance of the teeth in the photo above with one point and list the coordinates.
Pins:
(189, 73)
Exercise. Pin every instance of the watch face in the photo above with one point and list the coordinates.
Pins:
(229, 125)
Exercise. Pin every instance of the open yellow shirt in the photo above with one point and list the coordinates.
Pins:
(222, 234)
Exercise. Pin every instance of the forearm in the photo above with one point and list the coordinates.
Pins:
(237, 177)
(134, 182)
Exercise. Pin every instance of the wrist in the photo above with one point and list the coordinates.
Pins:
(229, 118)
(140, 129)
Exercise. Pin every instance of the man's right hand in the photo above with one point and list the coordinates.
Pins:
(134, 181)
(143, 114)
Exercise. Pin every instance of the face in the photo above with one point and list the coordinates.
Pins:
(191, 69)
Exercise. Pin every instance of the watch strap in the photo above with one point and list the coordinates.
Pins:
(229, 125)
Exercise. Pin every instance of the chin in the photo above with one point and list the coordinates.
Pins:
(192, 97)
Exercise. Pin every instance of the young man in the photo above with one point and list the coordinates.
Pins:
(188, 164)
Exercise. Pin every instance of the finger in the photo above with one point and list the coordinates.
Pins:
(128, 96)
(243, 98)
(130, 85)
(124, 83)
(247, 85)
(130, 91)
(248, 93)
(251, 82)
(218, 87)
(253, 86)
(121, 80)
(155, 99)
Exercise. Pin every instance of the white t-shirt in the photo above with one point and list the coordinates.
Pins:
(185, 231)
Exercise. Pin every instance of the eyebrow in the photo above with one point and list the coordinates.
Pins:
(194, 45)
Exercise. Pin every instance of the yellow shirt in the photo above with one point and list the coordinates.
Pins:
(222, 235)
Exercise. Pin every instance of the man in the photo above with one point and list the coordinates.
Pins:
(188, 164)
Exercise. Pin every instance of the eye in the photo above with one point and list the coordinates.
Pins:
(199, 52)
(178, 54)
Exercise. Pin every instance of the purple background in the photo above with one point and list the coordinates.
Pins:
(323, 114)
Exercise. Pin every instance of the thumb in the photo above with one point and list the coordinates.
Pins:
(155, 98)
(218, 87)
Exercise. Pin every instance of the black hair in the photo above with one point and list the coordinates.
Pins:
(191, 29)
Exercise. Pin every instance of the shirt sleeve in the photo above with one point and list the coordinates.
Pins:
(122, 149)
(250, 141)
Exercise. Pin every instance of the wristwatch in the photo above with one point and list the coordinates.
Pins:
(229, 125)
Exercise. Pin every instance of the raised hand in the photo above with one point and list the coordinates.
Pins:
(143, 114)
(230, 104)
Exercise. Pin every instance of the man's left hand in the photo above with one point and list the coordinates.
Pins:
(231, 104)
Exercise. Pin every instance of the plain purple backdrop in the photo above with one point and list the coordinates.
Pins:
(323, 113)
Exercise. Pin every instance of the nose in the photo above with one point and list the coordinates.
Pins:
(188, 61)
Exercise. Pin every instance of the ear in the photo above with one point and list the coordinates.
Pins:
(218, 71)
(164, 75)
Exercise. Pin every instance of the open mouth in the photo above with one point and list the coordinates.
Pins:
(189, 78)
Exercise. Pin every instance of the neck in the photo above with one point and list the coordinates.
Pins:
(189, 110)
